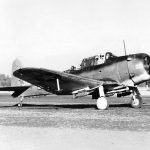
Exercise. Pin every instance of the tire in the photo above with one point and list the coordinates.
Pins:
(102, 103)
(136, 101)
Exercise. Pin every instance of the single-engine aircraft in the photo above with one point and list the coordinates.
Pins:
(116, 75)
(20, 88)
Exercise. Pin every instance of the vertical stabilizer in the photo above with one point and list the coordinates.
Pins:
(15, 66)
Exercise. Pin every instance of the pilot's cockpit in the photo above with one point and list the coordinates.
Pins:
(93, 61)
(97, 59)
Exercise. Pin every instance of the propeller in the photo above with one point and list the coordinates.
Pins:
(125, 51)
(128, 59)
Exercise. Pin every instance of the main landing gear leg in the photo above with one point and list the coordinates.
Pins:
(102, 102)
(21, 100)
(136, 100)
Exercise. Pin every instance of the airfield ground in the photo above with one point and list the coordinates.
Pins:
(54, 122)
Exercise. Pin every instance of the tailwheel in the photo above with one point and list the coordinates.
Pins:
(102, 103)
(136, 101)
(21, 100)
(20, 105)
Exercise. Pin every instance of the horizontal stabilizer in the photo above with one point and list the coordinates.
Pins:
(17, 89)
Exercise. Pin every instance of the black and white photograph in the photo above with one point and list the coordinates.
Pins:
(74, 74)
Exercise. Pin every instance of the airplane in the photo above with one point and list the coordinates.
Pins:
(118, 75)
(20, 88)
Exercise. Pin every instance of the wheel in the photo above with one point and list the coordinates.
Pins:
(136, 101)
(19, 105)
(102, 103)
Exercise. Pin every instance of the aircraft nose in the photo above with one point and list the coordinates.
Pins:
(147, 64)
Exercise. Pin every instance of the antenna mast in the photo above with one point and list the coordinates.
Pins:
(124, 48)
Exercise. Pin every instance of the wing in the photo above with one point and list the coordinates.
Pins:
(63, 83)
(55, 81)
(17, 89)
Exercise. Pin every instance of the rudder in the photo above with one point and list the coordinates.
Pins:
(15, 66)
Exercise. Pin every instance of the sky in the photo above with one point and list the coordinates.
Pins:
(56, 34)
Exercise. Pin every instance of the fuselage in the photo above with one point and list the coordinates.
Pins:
(129, 70)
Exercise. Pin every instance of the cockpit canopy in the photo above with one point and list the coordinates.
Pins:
(109, 56)
(97, 59)
(92, 61)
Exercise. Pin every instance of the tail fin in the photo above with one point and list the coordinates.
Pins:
(15, 66)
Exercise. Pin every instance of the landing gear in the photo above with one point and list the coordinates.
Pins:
(136, 100)
(102, 102)
(21, 100)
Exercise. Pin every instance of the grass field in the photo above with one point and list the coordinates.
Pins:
(60, 122)
(63, 111)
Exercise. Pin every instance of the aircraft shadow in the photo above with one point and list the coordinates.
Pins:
(58, 106)
(63, 106)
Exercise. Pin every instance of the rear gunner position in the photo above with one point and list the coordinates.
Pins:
(112, 75)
